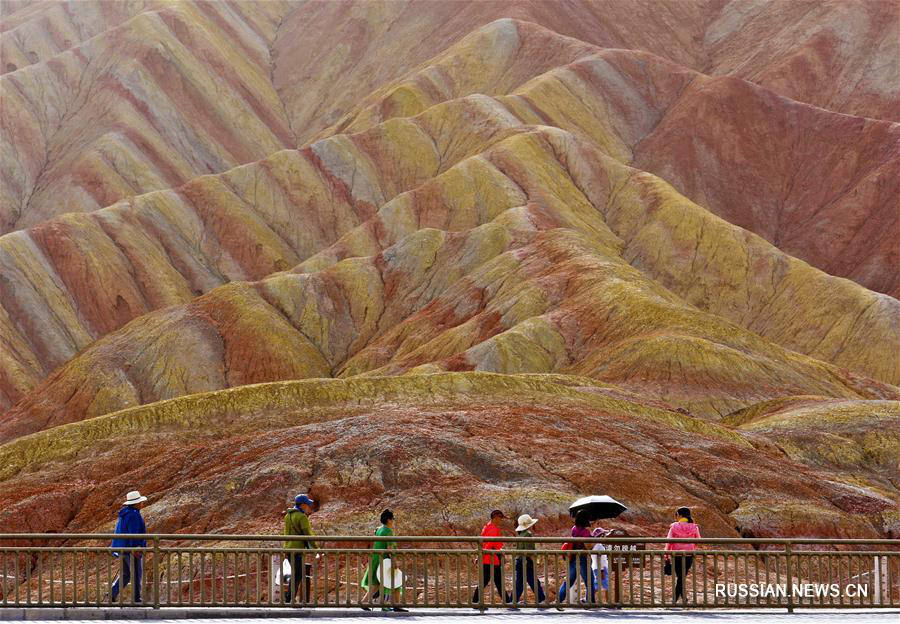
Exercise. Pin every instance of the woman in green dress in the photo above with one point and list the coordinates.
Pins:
(370, 578)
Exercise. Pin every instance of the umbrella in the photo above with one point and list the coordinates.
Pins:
(599, 507)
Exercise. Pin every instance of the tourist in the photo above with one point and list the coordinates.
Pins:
(130, 522)
(525, 564)
(296, 523)
(600, 563)
(683, 527)
(490, 562)
(370, 578)
(599, 567)
(578, 563)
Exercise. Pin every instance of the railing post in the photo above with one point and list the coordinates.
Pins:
(790, 579)
(479, 575)
(156, 572)
(617, 590)
(275, 570)
(877, 580)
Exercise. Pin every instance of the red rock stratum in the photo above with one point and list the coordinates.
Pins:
(439, 449)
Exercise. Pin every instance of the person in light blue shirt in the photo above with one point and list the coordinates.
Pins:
(600, 562)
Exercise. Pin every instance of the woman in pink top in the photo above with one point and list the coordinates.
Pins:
(683, 527)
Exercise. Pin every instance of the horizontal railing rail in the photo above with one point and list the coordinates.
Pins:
(439, 571)
(224, 537)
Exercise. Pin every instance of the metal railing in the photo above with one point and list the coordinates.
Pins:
(63, 570)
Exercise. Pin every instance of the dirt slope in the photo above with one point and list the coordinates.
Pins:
(438, 449)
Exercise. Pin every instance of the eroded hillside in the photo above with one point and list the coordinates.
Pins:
(445, 446)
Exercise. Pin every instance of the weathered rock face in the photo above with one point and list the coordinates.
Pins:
(212, 85)
(606, 203)
(776, 167)
(160, 94)
(438, 449)
(563, 274)
(459, 165)
(858, 438)
(818, 185)
(833, 54)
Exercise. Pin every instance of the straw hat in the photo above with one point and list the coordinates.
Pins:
(526, 522)
(134, 497)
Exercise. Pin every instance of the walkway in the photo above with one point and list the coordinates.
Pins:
(203, 616)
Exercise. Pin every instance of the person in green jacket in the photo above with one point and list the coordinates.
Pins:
(370, 578)
(296, 523)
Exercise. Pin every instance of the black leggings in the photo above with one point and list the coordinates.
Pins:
(487, 571)
(681, 565)
(299, 571)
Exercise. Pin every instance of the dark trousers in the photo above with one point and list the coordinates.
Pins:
(681, 565)
(578, 564)
(526, 565)
(126, 562)
(487, 571)
(299, 570)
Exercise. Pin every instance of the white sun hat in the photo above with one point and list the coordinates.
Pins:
(134, 497)
(388, 576)
(526, 522)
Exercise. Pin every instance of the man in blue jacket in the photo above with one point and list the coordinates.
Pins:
(130, 522)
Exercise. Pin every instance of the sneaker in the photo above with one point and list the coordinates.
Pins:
(400, 610)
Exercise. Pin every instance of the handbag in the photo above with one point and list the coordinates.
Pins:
(388, 576)
(567, 546)
(667, 568)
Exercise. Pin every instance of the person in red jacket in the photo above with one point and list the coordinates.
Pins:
(490, 562)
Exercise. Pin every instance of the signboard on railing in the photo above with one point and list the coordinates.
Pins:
(633, 556)
(628, 553)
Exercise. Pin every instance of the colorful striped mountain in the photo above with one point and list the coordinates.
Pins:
(411, 252)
